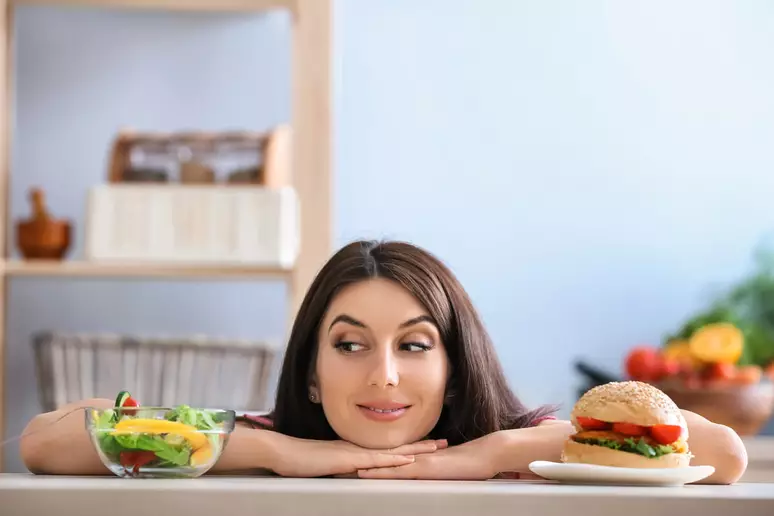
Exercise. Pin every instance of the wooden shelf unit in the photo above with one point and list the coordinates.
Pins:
(311, 122)
(85, 269)
(173, 5)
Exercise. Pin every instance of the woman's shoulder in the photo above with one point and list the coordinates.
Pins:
(542, 419)
(257, 421)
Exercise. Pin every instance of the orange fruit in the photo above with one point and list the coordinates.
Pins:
(680, 351)
(717, 343)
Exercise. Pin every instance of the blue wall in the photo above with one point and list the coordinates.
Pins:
(591, 170)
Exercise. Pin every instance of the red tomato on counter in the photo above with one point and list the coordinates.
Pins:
(645, 364)
(671, 367)
(721, 371)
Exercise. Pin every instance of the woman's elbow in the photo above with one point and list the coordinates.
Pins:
(29, 447)
(731, 456)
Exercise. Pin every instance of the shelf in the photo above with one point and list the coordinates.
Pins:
(84, 269)
(171, 5)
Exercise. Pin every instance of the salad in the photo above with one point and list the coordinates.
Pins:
(179, 438)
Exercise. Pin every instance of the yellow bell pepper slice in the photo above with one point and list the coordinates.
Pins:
(161, 426)
(201, 456)
(717, 343)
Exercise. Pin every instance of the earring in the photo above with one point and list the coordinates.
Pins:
(312, 397)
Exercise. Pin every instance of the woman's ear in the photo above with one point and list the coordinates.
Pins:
(313, 389)
(314, 394)
(450, 392)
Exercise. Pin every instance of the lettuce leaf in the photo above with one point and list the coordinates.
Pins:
(201, 419)
(640, 447)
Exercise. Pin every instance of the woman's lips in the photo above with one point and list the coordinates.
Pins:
(384, 411)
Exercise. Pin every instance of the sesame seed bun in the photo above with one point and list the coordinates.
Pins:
(575, 452)
(629, 402)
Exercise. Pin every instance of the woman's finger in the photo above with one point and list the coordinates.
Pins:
(407, 472)
(371, 460)
(417, 448)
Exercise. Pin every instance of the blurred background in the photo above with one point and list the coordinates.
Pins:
(595, 173)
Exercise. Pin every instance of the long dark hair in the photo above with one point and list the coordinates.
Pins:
(481, 401)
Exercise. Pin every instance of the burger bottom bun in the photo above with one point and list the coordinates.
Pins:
(579, 453)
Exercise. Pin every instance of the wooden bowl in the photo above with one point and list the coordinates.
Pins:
(745, 408)
(43, 239)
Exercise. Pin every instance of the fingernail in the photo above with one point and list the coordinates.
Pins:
(409, 457)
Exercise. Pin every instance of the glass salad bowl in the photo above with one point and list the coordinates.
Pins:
(155, 442)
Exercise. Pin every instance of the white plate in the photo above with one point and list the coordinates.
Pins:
(608, 475)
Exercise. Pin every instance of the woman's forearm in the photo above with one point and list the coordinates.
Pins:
(516, 449)
(718, 446)
(250, 450)
(711, 444)
(57, 443)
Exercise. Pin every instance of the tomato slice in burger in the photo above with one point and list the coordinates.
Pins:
(629, 429)
(589, 423)
(666, 434)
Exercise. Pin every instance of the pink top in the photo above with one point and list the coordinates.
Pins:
(265, 423)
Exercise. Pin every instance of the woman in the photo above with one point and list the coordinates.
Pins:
(389, 373)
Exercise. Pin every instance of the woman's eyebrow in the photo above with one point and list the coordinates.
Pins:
(417, 320)
(346, 319)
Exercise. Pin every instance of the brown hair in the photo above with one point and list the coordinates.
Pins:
(481, 403)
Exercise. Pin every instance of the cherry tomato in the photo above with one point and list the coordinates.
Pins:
(134, 460)
(629, 429)
(666, 434)
(589, 423)
(130, 406)
(126, 458)
(644, 363)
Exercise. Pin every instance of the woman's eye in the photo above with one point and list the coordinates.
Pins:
(348, 347)
(415, 346)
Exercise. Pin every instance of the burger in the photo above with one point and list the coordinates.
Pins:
(629, 425)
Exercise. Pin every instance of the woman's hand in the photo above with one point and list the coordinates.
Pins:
(484, 458)
(307, 458)
(475, 460)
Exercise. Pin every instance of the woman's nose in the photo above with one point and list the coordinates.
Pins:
(384, 372)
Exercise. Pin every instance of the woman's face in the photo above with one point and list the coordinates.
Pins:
(381, 368)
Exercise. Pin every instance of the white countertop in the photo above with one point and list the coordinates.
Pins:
(760, 454)
(86, 496)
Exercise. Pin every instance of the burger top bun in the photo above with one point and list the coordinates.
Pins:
(629, 402)
(579, 453)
